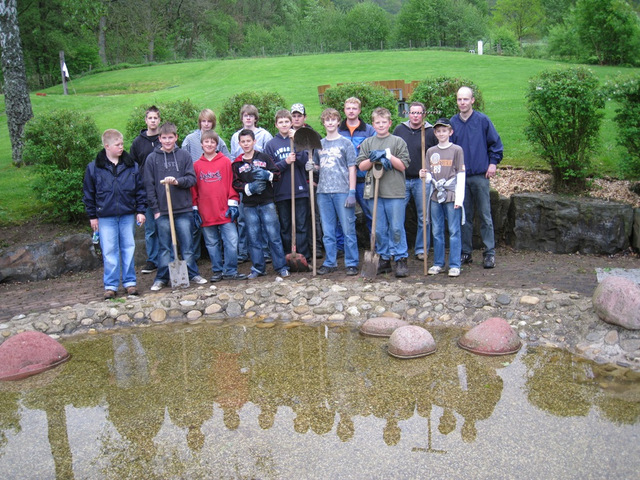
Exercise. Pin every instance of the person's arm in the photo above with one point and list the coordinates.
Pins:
(89, 196)
(495, 148)
(141, 195)
(362, 160)
(188, 179)
(150, 186)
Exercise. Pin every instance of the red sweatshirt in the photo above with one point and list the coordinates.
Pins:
(213, 192)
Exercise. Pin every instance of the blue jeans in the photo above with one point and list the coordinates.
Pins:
(364, 205)
(332, 210)
(454, 216)
(228, 234)
(414, 189)
(391, 239)
(184, 235)
(151, 237)
(476, 195)
(303, 225)
(259, 219)
(118, 246)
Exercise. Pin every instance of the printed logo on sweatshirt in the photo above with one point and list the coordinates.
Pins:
(210, 177)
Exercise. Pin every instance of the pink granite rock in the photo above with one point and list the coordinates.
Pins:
(381, 326)
(28, 353)
(494, 336)
(617, 301)
(411, 341)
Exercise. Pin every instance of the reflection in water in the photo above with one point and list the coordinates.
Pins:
(238, 401)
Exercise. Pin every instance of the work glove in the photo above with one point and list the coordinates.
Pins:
(261, 174)
(376, 156)
(257, 187)
(350, 202)
(386, 163)
(309, 166)
(197, 219)
(232, 213)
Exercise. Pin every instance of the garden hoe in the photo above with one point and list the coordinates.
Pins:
(308, 139)
(371, 258)
(178, 272)
(295, 261)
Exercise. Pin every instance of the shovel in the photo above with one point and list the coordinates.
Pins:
(424, 203)
(295, 261)
(178, 272)
(308, 139)
(371, 258)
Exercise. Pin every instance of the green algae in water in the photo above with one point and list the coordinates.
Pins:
(235, 401)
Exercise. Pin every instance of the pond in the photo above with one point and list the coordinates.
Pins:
(238, 401)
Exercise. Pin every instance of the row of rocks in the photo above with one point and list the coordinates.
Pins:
(540, 316)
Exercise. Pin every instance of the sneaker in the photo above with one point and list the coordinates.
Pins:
(255, 274)
(109, 294)
(435, 270)
(284, 272)
(217, 276)
(132, 290)
(199, 280)
(323, 270)
(158, 285)
(242, 259)
(384, 266)
(235, 276)
(466, 258)
(489, 261)
(149, 267)
(267, 260)
(420, 256)
(351, 271)
(454, 272)
(401, 268)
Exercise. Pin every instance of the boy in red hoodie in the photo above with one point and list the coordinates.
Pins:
(215, 208)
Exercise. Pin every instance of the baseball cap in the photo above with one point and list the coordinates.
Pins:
(298, 107)
(442, 122)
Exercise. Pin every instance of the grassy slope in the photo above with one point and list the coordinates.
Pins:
(110, 97)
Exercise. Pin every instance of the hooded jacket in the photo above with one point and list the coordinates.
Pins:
(142, 146)
(112, 190)
(362, 132)
(161, 164)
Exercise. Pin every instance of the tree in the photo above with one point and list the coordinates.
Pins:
(522, 17)
(17, 101)
(369, 26)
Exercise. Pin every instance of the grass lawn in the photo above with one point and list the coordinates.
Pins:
(110, 97)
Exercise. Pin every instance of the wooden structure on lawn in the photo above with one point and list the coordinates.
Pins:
(401, 91)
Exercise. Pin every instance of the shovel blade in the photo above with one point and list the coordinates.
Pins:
(370, 265)
(178, 274)
(297, 262)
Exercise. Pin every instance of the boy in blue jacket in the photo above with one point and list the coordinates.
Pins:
(114, 198)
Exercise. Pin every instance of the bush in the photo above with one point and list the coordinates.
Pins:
(61, 144)
(439, 95)
(267, 103)
(564, 121)
(184, 113)
(371, 96)
(626, 91)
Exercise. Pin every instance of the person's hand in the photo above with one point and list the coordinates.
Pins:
(424, 173)
(376, 156)
(169, 180)
(290, 158)
(94, 224)
(197, 219)
(232, 213)
(140, 219)
(309, 166)
(261, 174)
(491, 171)
(350, 202)
(257, 187)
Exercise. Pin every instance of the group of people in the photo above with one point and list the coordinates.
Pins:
(241, 201)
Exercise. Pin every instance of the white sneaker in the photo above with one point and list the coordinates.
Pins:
(434, 270)
(158, 285)
(199, 280)
(454, 272)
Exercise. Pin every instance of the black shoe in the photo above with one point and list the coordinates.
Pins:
(323, 270)
(489, 261)
(319, 253)
(217, 276)
(351, 271)
(340, 254)
(401, 268)
(466, 258)
(236, 276)
(242, 259)
(267, 259)
(384, 266)
(149, 267)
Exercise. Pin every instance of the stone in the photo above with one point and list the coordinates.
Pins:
(381, 326)
(158, 315)
(29, 353)
(494, 336)
(616, 300)
(503, 299)
(529, 300)
(411, 341)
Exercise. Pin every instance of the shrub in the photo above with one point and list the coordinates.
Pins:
(61, 144)
(184, 113)
(439, 94)
(564, 121)
(267, 103)
(371, 96)
(626, 91)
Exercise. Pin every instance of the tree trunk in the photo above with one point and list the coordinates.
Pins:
(102, 39)
(17, 101)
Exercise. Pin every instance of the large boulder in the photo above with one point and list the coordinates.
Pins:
(558, 224)
(28, 353)
(381, 326)
(494, 336)
(411, 341)
(617, 301)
